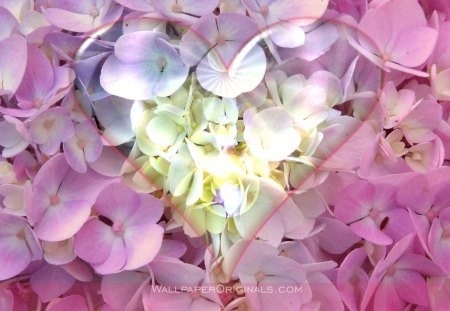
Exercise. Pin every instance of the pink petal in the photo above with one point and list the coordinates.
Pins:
(324, 292)
(38, 78)
(336, 237)
(422, 226)
(409, 49)
(376, 31)
(16, 252)
(199, 39)
(344, 143)
(283, 301)
(415, 195)
(13, 60)
(118, 289)
(368, 229)
(91, 146)
(172, 248)
(175, 273)
(438, 293)
(116, 260)
(93, 243)
(69, 20)
(75, 155)
(150, 211)
(189, 9)
(352, 293)
(246, 257)
(117, 202)
(236, 27)
(386, 297)
(303, 12)
(287, 35)
(68, 303)
(50, 282)
(205, 305)
(283, 267)
(63, 221)
(109, 163)
(79, 269)
(6, 300)
(9, 23)
(136, 47)
(137, 5)
(318, 41)
(165, 301)
(400, 21)
(355, 202)
(411, 287)
(398, 223)
(142, 243)
(129, 81)
(296, 225)
(439, 246)
(14, 257)
(397, 251)
(418, 263)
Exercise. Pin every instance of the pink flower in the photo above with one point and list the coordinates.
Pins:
(439, 238)
(138, 5)
(19, 246)
(83, 148)
(144, 65)
(13, 56)
(83, 15)
(385, 157)
(425, 196)
(283, 18)
(12, 141)
(395, 104)
(125, 235)
(439, 292)
(62, 199)
(352, 279)
(390, 38)
(50, 128)
(372, 213)
(42, 85)
(261, 267)
(229, 62)
(398, 279)
(418, 125)
(184, 11)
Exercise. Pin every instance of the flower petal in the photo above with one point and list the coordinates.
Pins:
(93, 243)
(13, 61)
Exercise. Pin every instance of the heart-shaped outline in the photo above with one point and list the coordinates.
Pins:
(92, 35)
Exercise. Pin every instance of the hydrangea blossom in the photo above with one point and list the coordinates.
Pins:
(224, 155)
(112, 241)
(144, 64)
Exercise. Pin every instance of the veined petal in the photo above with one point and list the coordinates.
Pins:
(243, 75)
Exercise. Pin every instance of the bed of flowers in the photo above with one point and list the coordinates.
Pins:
(219, 155)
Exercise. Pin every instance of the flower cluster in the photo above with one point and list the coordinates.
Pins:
(220, 155)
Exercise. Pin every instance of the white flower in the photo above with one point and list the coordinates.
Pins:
(271, 134)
